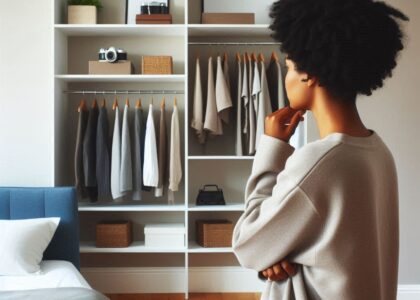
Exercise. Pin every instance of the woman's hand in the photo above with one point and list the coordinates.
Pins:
(282, 123)
(280, 271)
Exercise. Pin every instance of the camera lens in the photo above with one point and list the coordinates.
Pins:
(110, 56)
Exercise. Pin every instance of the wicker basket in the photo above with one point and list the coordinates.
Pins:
(114, 234)
(156, 65)
(214, 233)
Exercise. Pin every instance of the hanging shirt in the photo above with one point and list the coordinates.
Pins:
(223, 99)
(197, 118)
(78, 154)
(116, 158)
(150, 166)
(329, 228)
(138, 138)
(89, 154)
(226, 72)
(264, 105)
(276, 87)
(238, 139)
(212, 121)
(251, 111)
(161, 153)
(103, 159)
(245, 97)
(126, 176)
(175, 166)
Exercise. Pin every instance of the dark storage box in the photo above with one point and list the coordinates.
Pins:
(214, 233)
(114, 234)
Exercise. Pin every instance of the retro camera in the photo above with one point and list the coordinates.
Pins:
(112, 54)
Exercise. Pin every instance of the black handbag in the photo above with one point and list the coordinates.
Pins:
(206, 197)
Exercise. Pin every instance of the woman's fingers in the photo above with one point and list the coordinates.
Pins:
(294, 123)
(288, 267)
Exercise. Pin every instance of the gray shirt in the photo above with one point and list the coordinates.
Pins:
(332, 208)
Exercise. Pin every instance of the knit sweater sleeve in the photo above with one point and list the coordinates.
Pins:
(279, 218)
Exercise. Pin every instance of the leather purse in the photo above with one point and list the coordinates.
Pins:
(209, 197)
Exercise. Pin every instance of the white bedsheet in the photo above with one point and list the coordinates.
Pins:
(54, 274)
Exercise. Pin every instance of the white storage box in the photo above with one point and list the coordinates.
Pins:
(164, 235)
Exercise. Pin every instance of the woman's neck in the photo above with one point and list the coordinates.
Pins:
(337, 116)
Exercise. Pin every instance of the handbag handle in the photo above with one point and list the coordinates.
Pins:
(207, 185)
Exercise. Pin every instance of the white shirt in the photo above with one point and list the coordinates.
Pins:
(116, 158)
(150, 164)
(197, 119)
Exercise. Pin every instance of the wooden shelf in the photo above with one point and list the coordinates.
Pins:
(193, 247)
(227, 207)
(121, 30)
(135, 247)
(120, 78)
(130, 207)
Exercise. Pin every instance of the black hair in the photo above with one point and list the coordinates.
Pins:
(351, 46)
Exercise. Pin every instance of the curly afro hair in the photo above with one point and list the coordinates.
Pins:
(351, 46)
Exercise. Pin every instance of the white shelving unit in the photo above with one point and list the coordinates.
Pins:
(74, 45)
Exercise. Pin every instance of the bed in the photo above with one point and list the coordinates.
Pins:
(59, 277)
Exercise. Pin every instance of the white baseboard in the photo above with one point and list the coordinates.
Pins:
(201, 279)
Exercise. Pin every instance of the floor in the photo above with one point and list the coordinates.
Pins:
(192, 296)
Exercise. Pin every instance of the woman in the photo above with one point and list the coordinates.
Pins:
(321, 222)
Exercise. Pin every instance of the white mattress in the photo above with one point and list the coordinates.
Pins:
(54, 274)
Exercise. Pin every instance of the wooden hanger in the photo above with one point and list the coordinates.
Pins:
(103, 103)
(127, 102)
(95, 103)
(225, 56)
(246, 57)
(115, 105)
(274, 56)
(174, 101)
(238, 57)
(82, 105)
(162, 103)
(261, 57)
(138, 104)
(253, 57)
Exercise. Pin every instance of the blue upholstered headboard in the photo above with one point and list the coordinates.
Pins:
(27, 203)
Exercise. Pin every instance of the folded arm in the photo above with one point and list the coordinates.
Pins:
(279, 217)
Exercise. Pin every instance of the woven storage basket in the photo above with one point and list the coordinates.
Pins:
(114, 234)
(214, 233)
(156, 65)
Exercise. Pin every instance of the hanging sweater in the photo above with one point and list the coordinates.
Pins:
(331, 207)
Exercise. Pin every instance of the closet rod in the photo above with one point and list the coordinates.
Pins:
(126, 92)
(234, 43)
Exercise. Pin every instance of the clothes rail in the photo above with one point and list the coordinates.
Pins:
(234, 43)
(126, 92)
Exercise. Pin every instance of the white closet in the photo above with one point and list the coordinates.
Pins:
(138, 269)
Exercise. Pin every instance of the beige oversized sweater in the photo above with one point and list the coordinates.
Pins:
(332, 208)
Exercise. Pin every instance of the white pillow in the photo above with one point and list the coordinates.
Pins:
(22, 244)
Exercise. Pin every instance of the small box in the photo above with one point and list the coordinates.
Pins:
(164, 235)
(154, 19)
(121, 67)
(156, 65)
(114, 234)
(228, 18)
(214, 233)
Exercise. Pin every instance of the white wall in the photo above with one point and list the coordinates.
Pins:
(27, 130)
(26, 102)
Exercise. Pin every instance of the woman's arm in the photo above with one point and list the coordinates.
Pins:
(279, 217)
